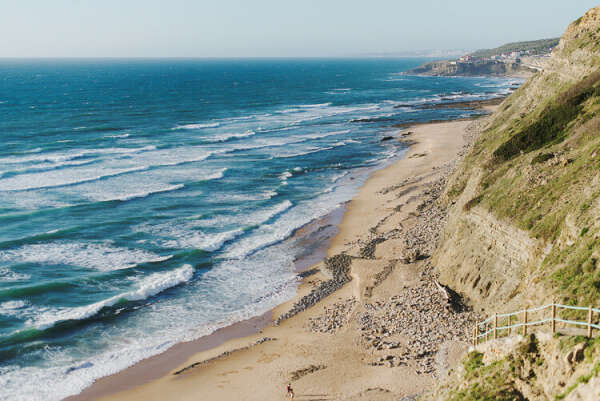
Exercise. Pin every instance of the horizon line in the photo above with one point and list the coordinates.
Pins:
(206, 57)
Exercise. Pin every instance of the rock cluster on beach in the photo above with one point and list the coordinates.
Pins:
(333, 318)
(410, 326)
(337, 266)
(413, 324)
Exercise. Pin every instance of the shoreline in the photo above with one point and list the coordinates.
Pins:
(245, 337)
(156, 366)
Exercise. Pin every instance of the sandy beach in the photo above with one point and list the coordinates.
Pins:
(387, 333)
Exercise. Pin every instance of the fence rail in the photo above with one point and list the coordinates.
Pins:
(490, 328)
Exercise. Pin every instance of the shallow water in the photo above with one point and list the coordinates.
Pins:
(149, 202)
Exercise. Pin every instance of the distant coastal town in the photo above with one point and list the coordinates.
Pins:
(510, 59)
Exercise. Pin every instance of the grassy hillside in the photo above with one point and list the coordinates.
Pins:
(534, 46)
(536, 168)
(524, 226)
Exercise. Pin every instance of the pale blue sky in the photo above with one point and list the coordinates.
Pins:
(271, 28)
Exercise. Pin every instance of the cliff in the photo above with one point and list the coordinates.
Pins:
(524, 222)
(457, 68)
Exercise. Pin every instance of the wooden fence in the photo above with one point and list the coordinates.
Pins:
(507, 323)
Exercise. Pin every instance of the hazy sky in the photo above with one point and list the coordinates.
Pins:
(236, 28)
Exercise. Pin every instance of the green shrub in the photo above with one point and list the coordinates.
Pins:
(472, 203)
(542, 157)
(551, 126)
(473, 362)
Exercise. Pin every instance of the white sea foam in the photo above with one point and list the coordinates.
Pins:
(313, 106)
(276, 129)
(312, 149)
(344, 143)
(213, 176)
(298, 116)
(60, 178)
(247, 288)
(338, 177)
(227, 136)
(10, 308)
(268, 234)
(204, 241)
(98, 256)
(284, 226)
(147, 287)
(291, 110)
(57, 176)
(253, 219)
(267, 214)
(285, 175)
(195, 126)
(9, 275)
(38, 167)
(175, 156)
(242, 197)
(299, 154)
(145, 194)
(73, 154)
(186, 234)
(319, 135)
(242, 118)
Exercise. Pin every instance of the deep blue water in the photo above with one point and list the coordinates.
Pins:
(144, 203)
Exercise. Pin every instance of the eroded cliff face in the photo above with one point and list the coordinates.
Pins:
(451, 68)
(524, 228)
(537, 367)
(526, 198)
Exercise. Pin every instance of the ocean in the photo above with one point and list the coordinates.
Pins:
(149, 202)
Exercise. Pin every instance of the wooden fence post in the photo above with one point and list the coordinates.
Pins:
(509, 324)
(589, 333)
(476, 333)
(474, 336)
(553, 322)
(496, 325)
(524, 322)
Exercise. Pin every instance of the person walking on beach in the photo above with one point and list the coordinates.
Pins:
(290, 391)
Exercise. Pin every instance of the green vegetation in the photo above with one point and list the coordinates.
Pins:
(489, 383)
(542, 157)
(536, 167)
(497, 381)
(578, 278)
(534, 46)
(473, 362)
(525, 371)
(518, 185)
(551, 126)
(472, 203)
(457, 189)
(592, 348)
(581, 379)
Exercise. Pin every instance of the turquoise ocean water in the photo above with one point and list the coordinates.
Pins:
(147, 202)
